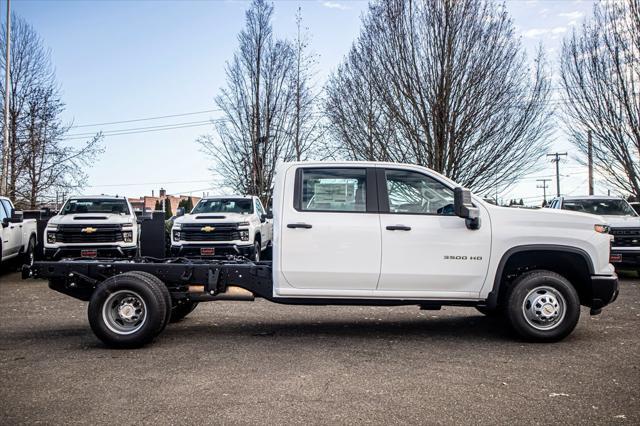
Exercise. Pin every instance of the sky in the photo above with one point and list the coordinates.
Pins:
(118, 61)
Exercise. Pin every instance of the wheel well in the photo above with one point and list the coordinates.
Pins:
(258, 237)
(571, 265)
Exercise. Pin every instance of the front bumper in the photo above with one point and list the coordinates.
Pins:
(604, 290)
(625, 258)
(57, 253)
(193, 250)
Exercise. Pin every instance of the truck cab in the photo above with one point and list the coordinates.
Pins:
(92, 226)
(18, 236)
(623, 221)
(219, 225)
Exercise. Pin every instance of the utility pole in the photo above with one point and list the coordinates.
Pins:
(590, 160)
(544, 189)
(4, 179)
(556, 159)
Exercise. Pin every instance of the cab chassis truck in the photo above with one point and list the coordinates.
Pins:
(358, 233)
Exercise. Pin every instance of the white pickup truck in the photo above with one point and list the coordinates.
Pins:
(360, 233)
(623, 221)
(223, 225)
(18, 236)
(92, 226)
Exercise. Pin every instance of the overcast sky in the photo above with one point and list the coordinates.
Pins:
(118, 61)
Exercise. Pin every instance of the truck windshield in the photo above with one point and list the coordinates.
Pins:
(224, 205)
(87, 205)
(614, 207)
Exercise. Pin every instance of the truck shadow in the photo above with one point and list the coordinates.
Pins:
(467, 328)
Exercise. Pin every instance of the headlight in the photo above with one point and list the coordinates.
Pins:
(177, 226)
(127, 236)
(176, 235)
(53, 228)
(602, 229)
(127, 225)
(51, 237)
(244, 235)
(243, 224)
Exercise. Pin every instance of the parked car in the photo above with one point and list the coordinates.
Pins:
(92, 226)
(223, 225)
(18, 236)
(363, 233)
(623, 221)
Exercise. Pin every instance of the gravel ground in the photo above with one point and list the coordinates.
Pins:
(250, 363)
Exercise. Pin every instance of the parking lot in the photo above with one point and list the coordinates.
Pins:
(238, 362)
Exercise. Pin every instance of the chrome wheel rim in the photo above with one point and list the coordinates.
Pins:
(124, 312)
(257, 250)
(544, 308)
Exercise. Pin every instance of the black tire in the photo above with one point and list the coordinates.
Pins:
(255, 255)
(542, 306)
(181, 310)
(495, 312)
(165, 293)
(28, 257)
(145, 308)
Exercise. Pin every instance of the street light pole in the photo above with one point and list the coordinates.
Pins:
(4, 179)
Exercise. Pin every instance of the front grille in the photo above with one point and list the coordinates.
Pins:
(77, 234)
(221, 232)
(626, 237)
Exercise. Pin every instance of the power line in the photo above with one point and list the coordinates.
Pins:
(158, 117)
(157, 126)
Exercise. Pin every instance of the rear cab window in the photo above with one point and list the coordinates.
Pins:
(332, 190)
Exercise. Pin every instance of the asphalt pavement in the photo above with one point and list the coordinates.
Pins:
(263, 363)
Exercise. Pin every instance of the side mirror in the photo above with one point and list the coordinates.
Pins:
(267, 215)
(5, 222)
(16, 216)
(180, 212)
(464, 208)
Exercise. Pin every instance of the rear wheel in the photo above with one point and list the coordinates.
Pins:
(182, 309)
(127, 311)
(165, 293)
(543, 306)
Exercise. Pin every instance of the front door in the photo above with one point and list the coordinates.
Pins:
(425, 247)
(331, 229)
(12, 234)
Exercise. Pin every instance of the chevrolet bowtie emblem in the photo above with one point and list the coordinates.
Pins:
(207, 228)
(89, 230)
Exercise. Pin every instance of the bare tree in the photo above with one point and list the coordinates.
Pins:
(41, 162)
(600, 73)
(444, 84)
(307, 129)
(255, 133)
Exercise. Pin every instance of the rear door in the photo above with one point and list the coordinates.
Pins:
(12, 234)
(425, 247)
(331, 229)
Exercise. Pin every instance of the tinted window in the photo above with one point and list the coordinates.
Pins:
(3, 213)
(7, 207)
(224, 205)
(87, 205)
(412, 192)
(612, 207)
(340, 190)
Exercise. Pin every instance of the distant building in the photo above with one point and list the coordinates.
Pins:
(149, 202)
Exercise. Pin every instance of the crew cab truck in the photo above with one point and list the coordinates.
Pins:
(18, 236)
(234, 225)
(623, 221)
(92, 226)
(365, 233)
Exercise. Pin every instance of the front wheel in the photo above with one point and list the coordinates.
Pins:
(256, 251)
(127, 311)
(543, 306)
(28, 257)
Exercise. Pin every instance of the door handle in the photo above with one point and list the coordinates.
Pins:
(299, 225)
(398, 228)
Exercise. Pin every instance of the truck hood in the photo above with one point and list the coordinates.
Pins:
(623, 221)
(90, 218)
(213, 217)
(544, 218)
